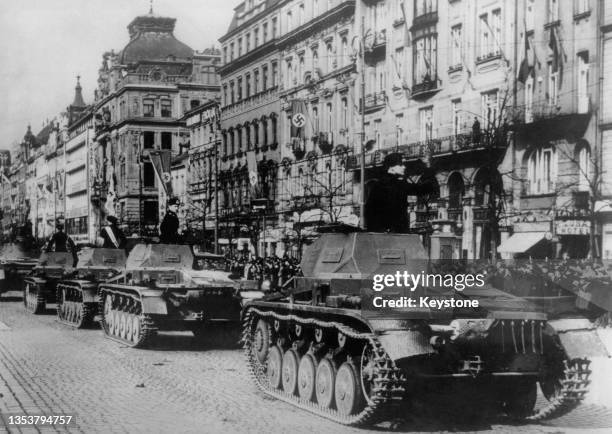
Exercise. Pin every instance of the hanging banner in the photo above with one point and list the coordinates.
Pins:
(298, 119)
(160, 158)
(254, 187)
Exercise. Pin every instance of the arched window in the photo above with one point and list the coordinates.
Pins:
(542, 170)
(456, 191)
(486, 182)
(330, 57)
(344, 51)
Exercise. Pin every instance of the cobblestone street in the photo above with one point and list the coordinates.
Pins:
(177, 386)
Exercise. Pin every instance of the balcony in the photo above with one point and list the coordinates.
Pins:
(455, 214)
(154, 77)
(424, 19)
(375, 101)
(376, 41)
(451, 145)
(267, 96)
(546, 121)
(426, 87)
(539, 188)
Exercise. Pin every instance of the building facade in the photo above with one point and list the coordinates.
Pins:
(143, 92)
(250, 110)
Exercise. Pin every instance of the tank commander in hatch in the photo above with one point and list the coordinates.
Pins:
(387, 203)
(111, 233)
(168, 230)
(61, 242)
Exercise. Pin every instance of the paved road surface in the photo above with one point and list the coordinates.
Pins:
(177, 386)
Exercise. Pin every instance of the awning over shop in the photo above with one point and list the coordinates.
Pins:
(521, 242)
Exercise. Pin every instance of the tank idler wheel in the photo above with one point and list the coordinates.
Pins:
(290, 371)
(33, 301)
(262, 340)
(274, 368)
(306, 377)
(325, 382)
(348, 392)
(368, 367)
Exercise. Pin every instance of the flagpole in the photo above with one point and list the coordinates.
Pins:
(362, 159)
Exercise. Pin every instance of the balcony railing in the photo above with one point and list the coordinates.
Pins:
(538, 188)
(449, 144)
(375, 100)
(136, 78)
(426, 86)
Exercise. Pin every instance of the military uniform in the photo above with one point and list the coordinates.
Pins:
(61, 242)
(113, 237)
(168, 230)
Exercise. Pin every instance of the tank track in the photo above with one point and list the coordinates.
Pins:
(124, 322)
(34, 303)
(390, 383)
(74, 313)
(573, 388)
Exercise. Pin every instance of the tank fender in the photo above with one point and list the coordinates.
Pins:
(153, 303)
(35, 280)
(401, 344)
(578, 337)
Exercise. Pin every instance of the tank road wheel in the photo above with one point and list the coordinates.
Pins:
(261, 340)
(274, 369)
(106, 313)
(306, 377)
(521, 401)
(129, 326)
(325, 382)
(348, 390)
(115, 322)
(290, 371)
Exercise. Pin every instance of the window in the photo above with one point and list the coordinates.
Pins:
(300, 69)
(330, 57)
(553, 10)
(225, 58)
(256, 133)
(264, 77)
(289, 21)
(426, 123)
(315, 119)
(247, 40)
(484, 43)
(148, 139)
(584, 168)
(166, 140)
(541, 171)
(583, 82)
(232, 93)
(247, 131)
(344, 55)
(329, 124)
(289, 68)
(490, 109)
(225, 100)
(256, 81)
(301, 14)
(194, 103)
(274, 74)
(455, 46)
(247, 82)
(553, 86)
(264, 32)
(425, 59)
(147, 108)
(344, 114)
(456, 106)
(422, 7)
(255, 38)
(496, 25)
(581, 7)
(148, 175)
(231, 51)
(239, 47)
(315, 61)
(239, 89)
(166, 108)
(530, 15)
(274, 27)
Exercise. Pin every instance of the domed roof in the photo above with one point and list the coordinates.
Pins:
(152, 38)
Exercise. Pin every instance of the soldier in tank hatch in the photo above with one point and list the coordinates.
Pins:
(61, 242)
(111, 233)
(168, 230)
(387, 203)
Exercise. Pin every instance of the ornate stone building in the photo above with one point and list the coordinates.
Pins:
(143, 92)
(318, 116)
(249, 119)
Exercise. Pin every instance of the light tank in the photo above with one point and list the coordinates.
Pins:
(15, 264)
(40, 285)
(323, 347)
(574, 294)
(161, 291)
(77, 297)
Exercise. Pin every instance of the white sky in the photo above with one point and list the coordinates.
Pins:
(45, 44)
